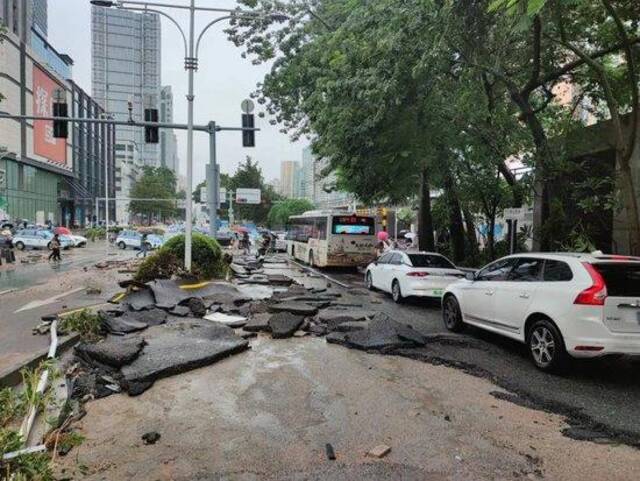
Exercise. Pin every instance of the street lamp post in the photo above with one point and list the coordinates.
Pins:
(190, 64)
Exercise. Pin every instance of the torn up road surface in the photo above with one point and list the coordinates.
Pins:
(269, 413)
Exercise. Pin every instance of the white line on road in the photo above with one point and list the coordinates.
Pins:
(50, 300)
(342, 284)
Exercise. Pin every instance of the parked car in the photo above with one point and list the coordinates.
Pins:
(578, 305)
(78, 240)
(133, 239)
(38, 239)
(404, 274)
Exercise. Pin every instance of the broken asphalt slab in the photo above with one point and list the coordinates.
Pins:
(383, 334)
(112, 352)
(284, 324)
(126, 323)
(181, 346)
(169, 293)
(300, 308)
(258, 323)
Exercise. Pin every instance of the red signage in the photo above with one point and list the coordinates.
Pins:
(44, 143)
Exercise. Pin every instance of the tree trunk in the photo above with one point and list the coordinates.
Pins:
(455, 218)
(541, 241)
(631, 207)
(425, 222)
(491, 236)
(472, 239)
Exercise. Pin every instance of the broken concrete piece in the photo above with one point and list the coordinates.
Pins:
(197, 307)
(122, 324)
(333, 317)
(180, 311)
(379, 451)
(140, 300)
(284, 324)
(178, 347)
(351, 326)
(257, 323)
(226, 319)
(112, 352)
(299, 308)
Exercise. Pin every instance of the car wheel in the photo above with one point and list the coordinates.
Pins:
(368, 280)
(546, 346)
(122, 245)
(451, 314)
(396, 293)
(20, 246)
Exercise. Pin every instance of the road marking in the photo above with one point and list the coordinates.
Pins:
(118, 297)
(195, 286)
(50, 300)
(322, 274)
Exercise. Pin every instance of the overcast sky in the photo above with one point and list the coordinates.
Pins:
(222, 81)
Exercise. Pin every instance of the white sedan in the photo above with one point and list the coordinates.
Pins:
(404, 274)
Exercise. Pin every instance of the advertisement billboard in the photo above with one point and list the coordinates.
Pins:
(44, 143)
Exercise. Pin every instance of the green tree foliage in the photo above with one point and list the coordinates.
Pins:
(281, 211)
(404, 98)
(155, 183)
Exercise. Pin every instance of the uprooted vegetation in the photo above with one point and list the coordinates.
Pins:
(207, 260)
(85, 322)
(14, 404)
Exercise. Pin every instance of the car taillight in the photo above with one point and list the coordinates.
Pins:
(597, 293)
(418, 274)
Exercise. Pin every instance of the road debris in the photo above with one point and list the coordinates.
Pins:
(331, 454)
(151, 437)
(379, 451)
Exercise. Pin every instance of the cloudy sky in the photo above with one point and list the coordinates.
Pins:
(222, 81)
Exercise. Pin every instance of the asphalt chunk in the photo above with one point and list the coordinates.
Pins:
(284, 324)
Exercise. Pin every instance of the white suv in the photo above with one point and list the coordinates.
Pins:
(584, 305)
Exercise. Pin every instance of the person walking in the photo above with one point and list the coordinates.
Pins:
(55, 249)
(144, 246)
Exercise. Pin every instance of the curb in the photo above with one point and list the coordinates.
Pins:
(12, 376)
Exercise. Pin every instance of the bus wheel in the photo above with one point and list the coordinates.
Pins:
(311, 258)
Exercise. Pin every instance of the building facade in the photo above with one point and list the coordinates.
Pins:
(126, 70)
(40, 16)
(40, 172)
(168, 140)
(287, 178)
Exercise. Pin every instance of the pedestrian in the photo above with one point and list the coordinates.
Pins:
(144, 246)
(246, 243)
(55, 249)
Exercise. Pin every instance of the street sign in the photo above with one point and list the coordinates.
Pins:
(247, 106)
(203, 194)
(248, 196)
(515, 213)
(222, 195)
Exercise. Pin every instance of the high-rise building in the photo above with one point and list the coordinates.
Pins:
(288, 178)
(40, 16)
(47, 178)
(307, 174)
(168, 140)
(126, 69)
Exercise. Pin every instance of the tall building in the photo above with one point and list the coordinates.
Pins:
(46, 178)
(325, 194)
(126, 68)
(288, 178)
(168, 140)
(307, 174)
(40, 16)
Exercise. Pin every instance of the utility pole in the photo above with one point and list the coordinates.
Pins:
(191, 47)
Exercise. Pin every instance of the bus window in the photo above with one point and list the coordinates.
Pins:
(353, 225)
(321, 227)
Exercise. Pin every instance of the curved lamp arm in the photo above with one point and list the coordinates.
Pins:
(209, 25)
(165, 15)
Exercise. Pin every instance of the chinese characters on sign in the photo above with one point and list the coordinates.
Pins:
(44, 143)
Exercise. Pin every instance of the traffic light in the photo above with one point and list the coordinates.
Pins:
(60, 127)
(248, 136)
(151, 133)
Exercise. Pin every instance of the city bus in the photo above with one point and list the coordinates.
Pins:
(329, 238)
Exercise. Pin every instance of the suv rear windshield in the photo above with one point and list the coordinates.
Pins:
(427, 260)
(622, 279)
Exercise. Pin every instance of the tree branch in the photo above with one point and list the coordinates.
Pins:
(537, 39)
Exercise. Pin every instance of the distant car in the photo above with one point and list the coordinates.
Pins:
(38, 239)
(78, 240)
(404, 274)
(559, 304)
(133, 239)
(281, 242)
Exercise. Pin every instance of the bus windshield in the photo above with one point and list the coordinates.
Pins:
(353, 225)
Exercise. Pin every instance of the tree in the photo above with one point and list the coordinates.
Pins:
(155, 184)
(281, 211)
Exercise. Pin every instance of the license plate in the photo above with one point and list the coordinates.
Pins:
(439, 292)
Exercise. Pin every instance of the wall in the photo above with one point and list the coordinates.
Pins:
(32, 193)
